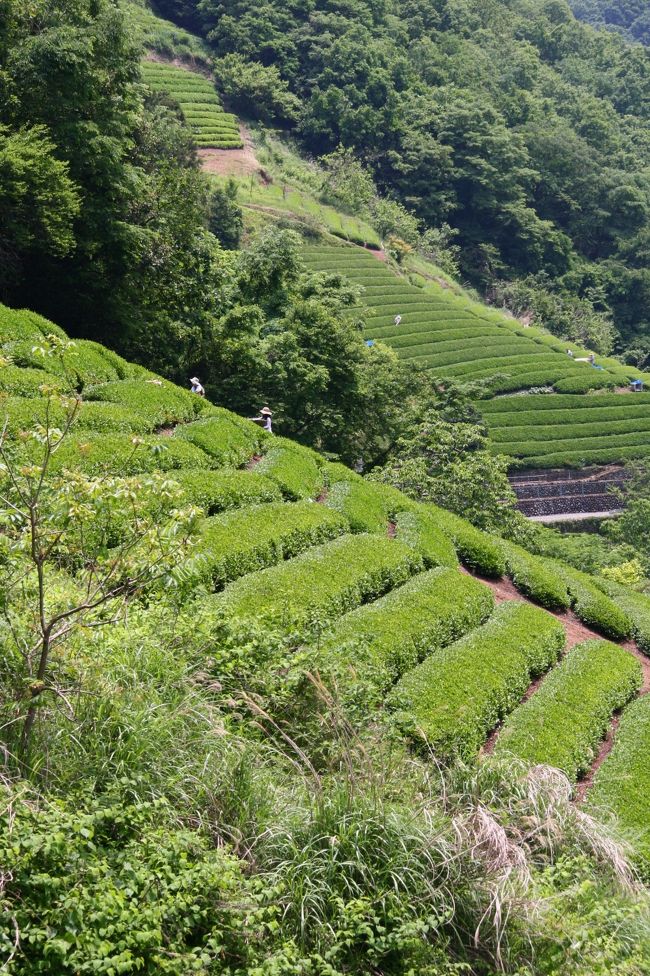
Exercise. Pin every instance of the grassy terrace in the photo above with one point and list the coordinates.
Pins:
(299, 549)
(456, 338)
(199, 102)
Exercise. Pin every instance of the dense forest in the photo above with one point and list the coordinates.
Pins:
(631, 18)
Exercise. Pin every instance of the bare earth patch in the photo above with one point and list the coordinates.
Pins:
(231, 162)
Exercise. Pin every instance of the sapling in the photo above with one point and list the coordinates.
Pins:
(64, 567)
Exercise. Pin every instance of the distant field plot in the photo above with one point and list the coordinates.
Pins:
(199, 102)
(448, 334)
(598, 428)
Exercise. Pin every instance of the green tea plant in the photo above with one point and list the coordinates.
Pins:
(562, 724)
(456, 697)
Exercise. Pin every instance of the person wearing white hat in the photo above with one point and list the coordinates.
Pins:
(196, 386)
(264, 419)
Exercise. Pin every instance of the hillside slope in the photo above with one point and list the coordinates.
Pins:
(288, 538)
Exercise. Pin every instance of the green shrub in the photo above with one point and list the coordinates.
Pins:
(367, 505)
(322, 583)
(563, 722)
(593, 607)
(228, 439)
(161, 402)
(536, 579)
(296, 470)
(635, 605)
(582, 384)
(28, 382)
(479, 551)
(218, 491)
(104, 886)
(420, 530)
(622, 784)
(335, 471)
(382, 640)
(111, 417)
(251, 539)
(18, 325)
(121, 454)
(456, 697)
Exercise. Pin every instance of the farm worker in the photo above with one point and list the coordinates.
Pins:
(196, 386)
(264, 419)
(398, 319)
(569, 353)
(592, 358)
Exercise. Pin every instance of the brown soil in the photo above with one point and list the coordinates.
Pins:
(322, 498)
(606, 747)
(231, 162)
(165, 431)
(392, 530)
(254, 461)
(380, 255)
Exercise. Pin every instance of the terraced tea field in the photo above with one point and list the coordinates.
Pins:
(199, 102)
(460, 340)
(535, 663)
(549, 430)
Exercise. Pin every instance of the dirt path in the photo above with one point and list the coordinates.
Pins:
(231, 162)
(254, 461)
(576, 633)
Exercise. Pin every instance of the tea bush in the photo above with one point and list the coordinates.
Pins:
(295, 470)
(479, 551)
(562, 724)
(250, 539)
(456, 697)
(218, 491)
(161, 402)
(420, 530)
(229, 440)
(322, 583)
(534, 578)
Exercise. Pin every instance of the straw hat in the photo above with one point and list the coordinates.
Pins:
(266, 412)
(194, 379)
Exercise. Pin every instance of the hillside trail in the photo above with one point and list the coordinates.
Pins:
(576, 633)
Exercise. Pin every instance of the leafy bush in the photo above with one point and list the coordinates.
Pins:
(636, 606)
(21, 413)
(296, 470)
(479, 551)
(382, 640)
(110, 417)
(563, 722)
(420, 530)
(593, 607)
(323, 583)
(534, 578)
(28, 382)
(18, 325)
(227, 438)
(367, 505)
(251, 539)
(122, 454)
(456, 697)
(158, 400)
(218, 491)
(112, 888)
(622, 784)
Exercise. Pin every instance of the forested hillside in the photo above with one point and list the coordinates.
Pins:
(630, 18)
(524, 129)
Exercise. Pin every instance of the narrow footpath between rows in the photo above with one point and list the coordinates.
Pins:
(576, 633)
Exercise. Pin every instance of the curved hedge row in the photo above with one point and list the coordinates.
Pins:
(479, 551)
(219, 491)
(322, 583)
(367, 505)
(250, 539)
(563, 722)
(536, 579)
(296, 470)
(381, 641)
(456, 697)
(227, 439)
(622, 784)
(159, 401)
(120, 454)
(420, 530)
(636, 607)
(593, 607)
